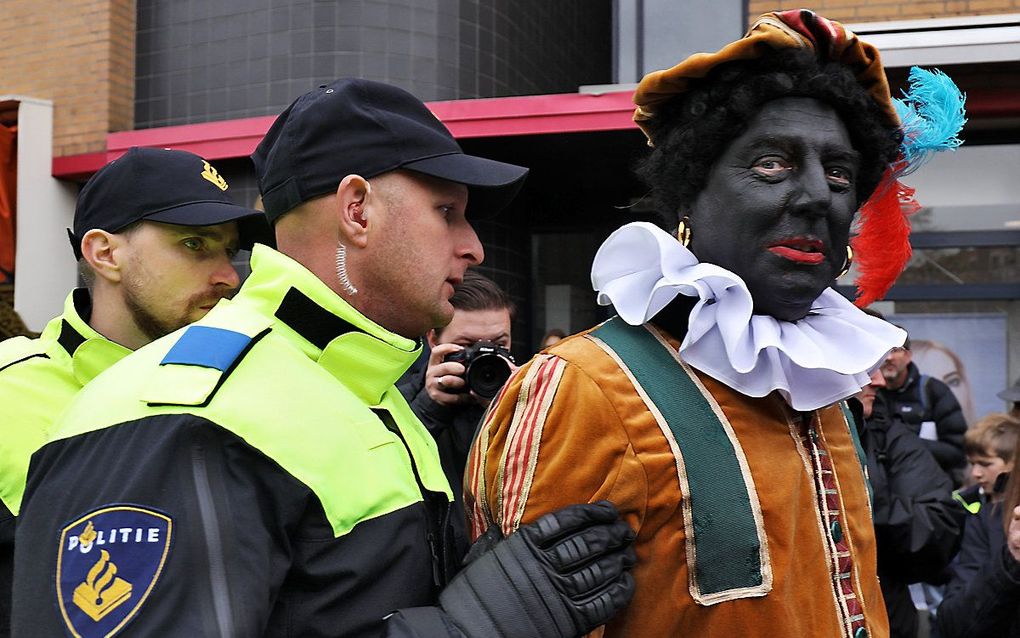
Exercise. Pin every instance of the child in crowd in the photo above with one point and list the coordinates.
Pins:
(983, 597)
(989, 447)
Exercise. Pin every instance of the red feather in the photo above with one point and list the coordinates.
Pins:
(882, 249)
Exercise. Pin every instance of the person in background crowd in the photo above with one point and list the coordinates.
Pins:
(708, 408)
(271, 479)
(989, 446)
(482, 311)
(928, 407)
(983, 597)
(917, 523)
(1011, 396)
(938, 360)
(552, 337)
(154, 233)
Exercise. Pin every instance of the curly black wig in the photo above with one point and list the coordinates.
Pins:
(692, 131)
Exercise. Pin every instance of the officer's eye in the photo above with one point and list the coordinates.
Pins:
(193, 243)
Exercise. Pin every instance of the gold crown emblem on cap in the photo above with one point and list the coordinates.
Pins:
(210, 174)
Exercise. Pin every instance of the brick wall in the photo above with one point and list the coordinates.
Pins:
(81, 55)
(883, 10)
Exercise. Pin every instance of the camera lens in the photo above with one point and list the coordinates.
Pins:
(487, 374)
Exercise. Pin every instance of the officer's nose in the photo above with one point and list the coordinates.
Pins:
(225, 274)
(467, 245)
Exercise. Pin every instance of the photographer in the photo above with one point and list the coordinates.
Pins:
(441, 396)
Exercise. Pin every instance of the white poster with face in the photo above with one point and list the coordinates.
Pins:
(966, 351)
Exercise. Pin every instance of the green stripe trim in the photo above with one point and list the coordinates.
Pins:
(861, 456)
(725, 534)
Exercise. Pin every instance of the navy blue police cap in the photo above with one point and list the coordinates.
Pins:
(367, 128)
(161, 185)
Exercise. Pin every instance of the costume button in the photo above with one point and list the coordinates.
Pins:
(837, 535)
(861, 633)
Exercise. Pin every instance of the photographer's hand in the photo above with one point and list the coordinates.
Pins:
(444, 381)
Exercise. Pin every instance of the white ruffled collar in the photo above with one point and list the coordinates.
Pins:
(821, 359)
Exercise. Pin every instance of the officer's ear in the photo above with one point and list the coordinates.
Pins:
(102, 252)
(352, 203)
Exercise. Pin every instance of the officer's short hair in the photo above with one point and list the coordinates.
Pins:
(478, 292)
(86, 276)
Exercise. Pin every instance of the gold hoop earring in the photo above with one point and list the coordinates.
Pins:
(849, 262)
(683, 231)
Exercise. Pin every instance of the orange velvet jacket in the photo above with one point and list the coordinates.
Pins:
(574, 425)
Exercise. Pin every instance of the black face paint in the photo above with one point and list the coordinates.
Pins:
(777, 205)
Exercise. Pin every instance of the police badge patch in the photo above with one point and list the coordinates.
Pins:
(107, 563)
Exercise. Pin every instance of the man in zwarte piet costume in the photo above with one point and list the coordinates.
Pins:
(710, 409)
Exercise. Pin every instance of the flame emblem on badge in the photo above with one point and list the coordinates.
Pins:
(102, 590)
(88, 535)
(210, 174)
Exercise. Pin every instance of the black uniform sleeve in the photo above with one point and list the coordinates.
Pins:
(228, 509)
(917, 523)
(982, 600)
(949, 423)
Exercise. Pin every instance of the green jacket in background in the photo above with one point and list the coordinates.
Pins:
(38, 379)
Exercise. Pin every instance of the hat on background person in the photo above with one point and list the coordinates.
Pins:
(355, 126)
(1012, 393)
(162, 185)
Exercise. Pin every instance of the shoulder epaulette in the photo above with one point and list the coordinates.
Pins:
(197, 364)
(17, 349)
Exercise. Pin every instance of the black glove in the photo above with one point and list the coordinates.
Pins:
(563, 575)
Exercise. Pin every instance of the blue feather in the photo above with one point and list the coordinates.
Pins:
(932, 114)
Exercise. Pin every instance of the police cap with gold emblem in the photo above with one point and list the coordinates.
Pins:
(161, 185)
(356, 126)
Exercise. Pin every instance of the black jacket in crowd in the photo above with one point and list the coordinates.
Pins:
(917, 523)
(983, 596)
(935, 402)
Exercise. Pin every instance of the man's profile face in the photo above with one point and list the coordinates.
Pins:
(894, 368)
(420, 248)
(867, 394)
(777, 205)
(173, 275)
(469, 326)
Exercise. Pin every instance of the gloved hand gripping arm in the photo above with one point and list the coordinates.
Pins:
(561, 576)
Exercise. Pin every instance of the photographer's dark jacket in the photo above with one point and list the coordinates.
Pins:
(254, 474)
(917, 522)
(933, 402)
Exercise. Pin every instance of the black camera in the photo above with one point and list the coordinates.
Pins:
(487, 367)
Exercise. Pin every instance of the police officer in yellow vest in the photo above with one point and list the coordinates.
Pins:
(257, 473)
(154, 233)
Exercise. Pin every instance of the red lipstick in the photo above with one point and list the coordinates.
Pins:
(800, 250)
